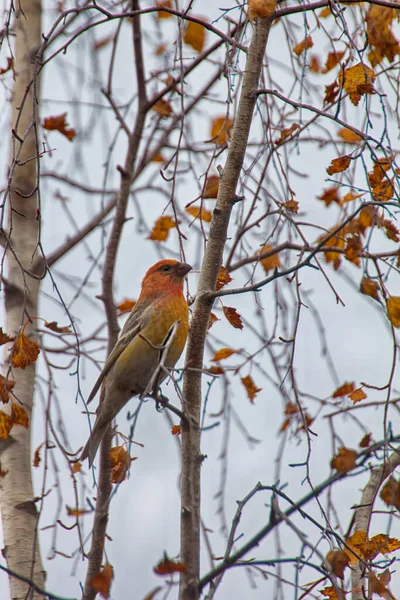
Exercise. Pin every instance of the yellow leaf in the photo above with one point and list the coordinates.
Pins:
(221, 130)
(6, 424)
(303, 45)
(222, 354)
(357, 81)
(325, 12)
(370, 287)
(195, 35)
(161, 228)
(338, 165)
(76, 467)
(357, 395)
(380, 35)
(120, 461)
(330, 593)
(390, 493)
(202, 213)
(269, 262)
(393, 310)
(251, 388)
(102, 581)
(162, 14)
(19, 415)
(25, 352)
(233, 317)
(349, 136)
(260, 8)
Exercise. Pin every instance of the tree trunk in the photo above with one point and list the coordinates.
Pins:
(19, 512)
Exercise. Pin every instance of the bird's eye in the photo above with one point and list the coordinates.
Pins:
(166, 268)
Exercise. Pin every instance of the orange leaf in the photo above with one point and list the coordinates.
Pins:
(176, 430)
(102, 580)
(292, 206)
(223, 278)
(233, 317)
(6, 385)
(211, 187)
(377, 585)
(168, 566)
(390, 493)
(221, 129)
(325, 12)
(344, 390)
(338, 165)
(354, 79)
(162, 107)
(357, 395)
(330, 195)
(6, 424)
(260, 8)
(162, 14)
(223, 353)
(158, 158)
(77, 512)
(120, 461)
(393, 310)
(125, 306)
(161, 228)
(331, 92)
(213, 319)
(353, 249)
(4, 338)
(59, 123)
(366, 441)
(161, 48)
(251, 388)
(370, 288)
(215, 370)
(349, 136)
(269, 262)
(19, 415)
(287, 132)
(344, 461)
(329, 592)
(379, 34)
(53, 325)
(291, 409)
(332, 60)
(36, 456)
(391, 230)
(76, 467)
(303, 45)
(314, 65)
(195, 211)
(25, 352)
(102, 42)
(338, 561)
(195, 35)
(8, 67)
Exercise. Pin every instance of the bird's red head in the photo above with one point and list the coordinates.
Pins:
(165, 277)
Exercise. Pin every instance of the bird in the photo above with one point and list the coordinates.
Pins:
(161, 312)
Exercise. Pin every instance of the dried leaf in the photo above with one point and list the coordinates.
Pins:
(161, 228)
(390, 493)
(330, 195)
(120, 462)
(330, 592)
(10, 62)
(314, 65)
(76, 467)
(287, 132)
(202, 213)
(233, 317)
(366, 441)
(260, 8)
(357, 395)
(25, 352)
(163, 108)
(377, 585)
(211, 187)
(77, 512)
(176, 430)
(223, 353)
(168, 566)
(354, 79)
(161, 48)
(6, 385)
(353, 249)
(125, 306)
(349, 136)
(379, 34)
(102, 580)
(102, 42)
(158, 158)
(19, 415)
(36, 456)
(393, 310)
(213, 319)
(303, 45)
(195, 35)
(59, 123)
(162, 14)
(332, 60)
(292, 206)
(269, 262)
(344, 390)
(223, 278)
(370, 287)
(6, 424)
(331, 92)
(4, 338)
(344, 461)
(338, 165)
(215, 370)
(391, 230)
(251, 388)
(325, 12)
(338, 560)
(53, 325)
(221, 129)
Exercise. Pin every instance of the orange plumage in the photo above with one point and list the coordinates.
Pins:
(132, 364)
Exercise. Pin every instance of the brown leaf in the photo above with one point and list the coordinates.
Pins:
(344, 461)
(251, 388)
(287, 132)
(332, 60)
(223, 278)
(357, 395)
(161, 48)
(349, 136)
(162, 14)
(167, 566)
(195, 35)
(161, 228)
(330, 195)
(393, 310)
(221, 129)
(353, 249)
(6, 385)
(8, 67)
(4, 338)
(53, 325)
(223, 353)
(76, 467)
(303, 45)
(59, 123)
(213, 319)
(102, 580)
(338, 561)
(120, 461)
(125, 306)
(233, 317)
(315, 65)
(6, 424)
(36, 456)
(163, 108)
(325, 12)
(331, 92)
(211, 187)
(338, 165)
(390, 493)
(391, 230)
(292, 206)
(198, 212)
(269, 262)
(366, 441)
(19, 415)
(370, 287)
(344, 390)
(354, 79)
(77, 512)
(176, 430)
(330, 593)
(380, 35)
(377, 585)
(102, 42)
(25, 352)
(215, 370)
(159, 158)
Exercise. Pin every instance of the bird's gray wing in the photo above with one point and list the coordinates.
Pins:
(133, 325)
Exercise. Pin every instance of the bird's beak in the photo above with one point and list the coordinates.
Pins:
(182, 269)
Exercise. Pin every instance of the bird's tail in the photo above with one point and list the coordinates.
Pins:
(93, 443)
